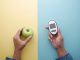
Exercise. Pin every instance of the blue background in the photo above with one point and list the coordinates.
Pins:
(67, 15)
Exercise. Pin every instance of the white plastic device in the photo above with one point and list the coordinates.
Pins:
(53, 27)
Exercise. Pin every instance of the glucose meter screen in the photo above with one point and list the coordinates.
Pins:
(52, 26)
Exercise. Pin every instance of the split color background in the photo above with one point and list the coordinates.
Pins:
(15, 14)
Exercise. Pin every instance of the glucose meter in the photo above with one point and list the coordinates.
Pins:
(53, 27)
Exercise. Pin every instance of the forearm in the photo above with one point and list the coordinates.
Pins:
(17, 54)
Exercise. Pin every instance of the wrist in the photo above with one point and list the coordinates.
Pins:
(17, 54)
(61, 51)
(17, 51)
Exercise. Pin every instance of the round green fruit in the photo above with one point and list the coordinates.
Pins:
(27, 32)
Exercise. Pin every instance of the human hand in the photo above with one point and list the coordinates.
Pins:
(58, 43)
(18, 42)
(56, 40)
(19, 45)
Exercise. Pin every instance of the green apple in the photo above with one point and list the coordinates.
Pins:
(27, 32)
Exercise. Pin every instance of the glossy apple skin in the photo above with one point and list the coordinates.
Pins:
(26, 32)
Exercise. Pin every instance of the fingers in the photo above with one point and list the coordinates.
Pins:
(51, 37)
(17, 35)
(59, 33)
(28, 39)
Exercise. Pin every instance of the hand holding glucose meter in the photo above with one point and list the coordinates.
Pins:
(53, 27)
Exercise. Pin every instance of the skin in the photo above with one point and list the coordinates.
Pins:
(19, 45)
(58, 43)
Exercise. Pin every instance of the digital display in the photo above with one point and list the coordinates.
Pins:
(52, 26)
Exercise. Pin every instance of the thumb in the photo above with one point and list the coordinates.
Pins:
(28, 39)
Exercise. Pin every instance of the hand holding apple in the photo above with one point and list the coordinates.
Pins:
(19, 44)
